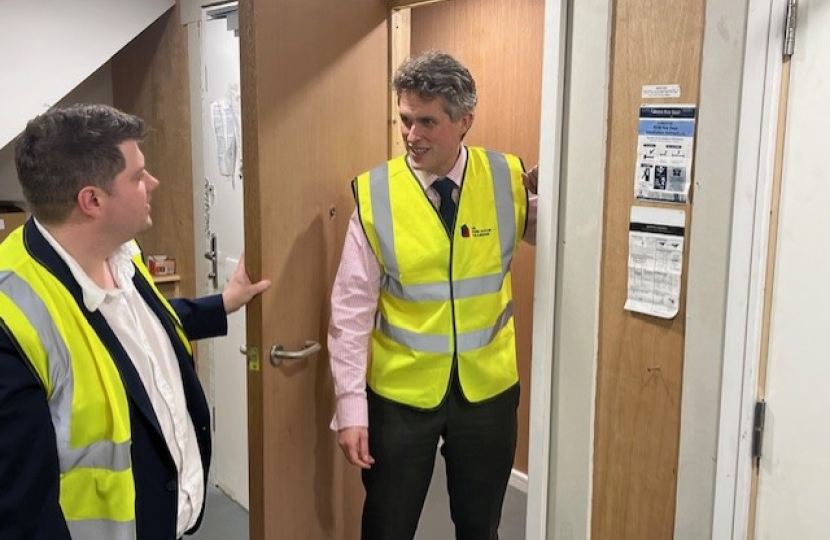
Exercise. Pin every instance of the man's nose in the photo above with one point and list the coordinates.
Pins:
(411, 133)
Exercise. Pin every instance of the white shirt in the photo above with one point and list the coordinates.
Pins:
(149, 347)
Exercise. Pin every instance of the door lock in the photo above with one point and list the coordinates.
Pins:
(213, 257)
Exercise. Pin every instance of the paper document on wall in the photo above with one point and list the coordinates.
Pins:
(235, 99)
(224, 131)
(665, 143)
(655, 261)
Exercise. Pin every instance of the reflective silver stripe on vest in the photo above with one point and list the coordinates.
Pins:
(470, 341)
(437, 343)
(93, 529)
(440, 291)
(103, 454)
(503, 191)
(433, 343)
(427, 292)
(466, 288)
(99, 455)
(382, 213)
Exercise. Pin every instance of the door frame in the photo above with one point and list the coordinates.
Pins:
(190, 16)
(761, 85)
(572, 165)
(222, 361)
(543, 414)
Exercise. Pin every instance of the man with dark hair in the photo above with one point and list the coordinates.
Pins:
(424, 283)
(104, 428)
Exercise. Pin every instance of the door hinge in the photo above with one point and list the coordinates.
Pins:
(758, 428)
(789, 28)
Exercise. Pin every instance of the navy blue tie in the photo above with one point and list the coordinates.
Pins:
(447, 208)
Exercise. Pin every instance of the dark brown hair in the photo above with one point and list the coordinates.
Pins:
(68, 148)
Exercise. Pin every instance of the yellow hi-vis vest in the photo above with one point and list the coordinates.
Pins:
(87, 399)
(443, 296)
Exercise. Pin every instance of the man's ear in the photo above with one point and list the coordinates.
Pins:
(89, 201)
(467, 122)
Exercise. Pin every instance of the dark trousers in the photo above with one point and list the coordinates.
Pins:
(479, 444)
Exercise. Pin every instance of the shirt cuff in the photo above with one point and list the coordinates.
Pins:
(352, 411)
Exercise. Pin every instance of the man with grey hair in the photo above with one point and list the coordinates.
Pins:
(422, 337)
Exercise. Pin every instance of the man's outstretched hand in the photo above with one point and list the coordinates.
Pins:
(239, 290)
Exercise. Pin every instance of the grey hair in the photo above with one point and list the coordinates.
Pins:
(436, 73)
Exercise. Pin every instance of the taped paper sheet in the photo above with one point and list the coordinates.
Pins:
(655, 261)
(224, 133)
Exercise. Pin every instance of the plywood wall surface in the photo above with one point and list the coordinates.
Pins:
(640, 357)
(150, 79)
(500, 41)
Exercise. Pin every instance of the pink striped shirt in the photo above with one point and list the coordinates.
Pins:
(354, 300)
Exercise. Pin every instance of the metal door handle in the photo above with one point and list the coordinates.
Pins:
(278, 352)
(213, 257)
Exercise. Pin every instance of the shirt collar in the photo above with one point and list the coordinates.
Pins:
(456, 174)
(120, 262)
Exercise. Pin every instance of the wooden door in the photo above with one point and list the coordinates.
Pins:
(794, 476)
(314, 108)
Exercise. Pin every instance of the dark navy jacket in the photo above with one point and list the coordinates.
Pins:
(29, 473)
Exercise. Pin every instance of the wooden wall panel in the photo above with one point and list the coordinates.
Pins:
(500, 41)
(640, 358)
(150, 79)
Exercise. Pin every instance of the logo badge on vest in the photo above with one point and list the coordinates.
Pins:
(474, 232)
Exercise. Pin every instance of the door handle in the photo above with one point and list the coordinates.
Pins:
(213, 257)
(278, 352)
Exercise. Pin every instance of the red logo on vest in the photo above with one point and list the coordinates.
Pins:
(474, 232)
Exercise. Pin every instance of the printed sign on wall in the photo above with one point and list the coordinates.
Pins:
(664, 153)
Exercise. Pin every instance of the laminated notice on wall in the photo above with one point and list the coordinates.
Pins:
(665, 143)
(655, 261)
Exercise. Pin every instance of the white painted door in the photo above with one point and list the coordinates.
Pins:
(220, 57)
(794, 479)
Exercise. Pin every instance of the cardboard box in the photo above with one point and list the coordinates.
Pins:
(159, 265)
(9, 221)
